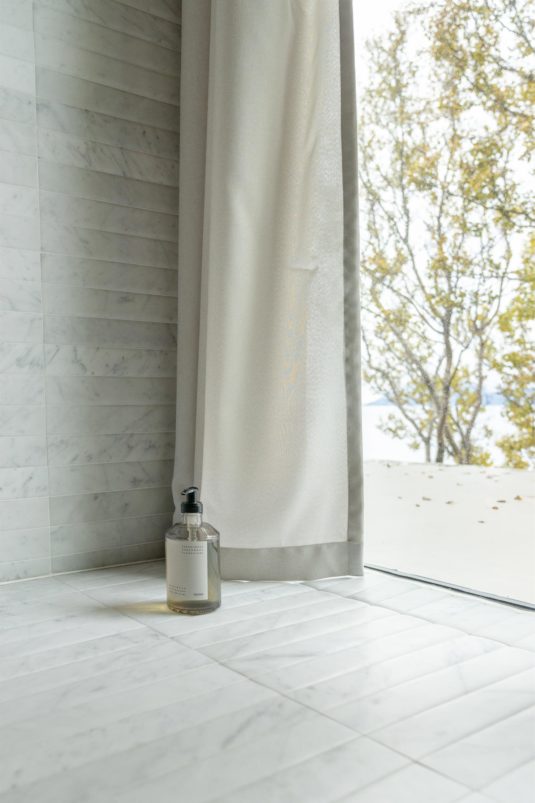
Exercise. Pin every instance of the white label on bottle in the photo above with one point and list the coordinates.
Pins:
(187, 569)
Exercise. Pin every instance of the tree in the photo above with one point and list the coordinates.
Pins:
(445, 217)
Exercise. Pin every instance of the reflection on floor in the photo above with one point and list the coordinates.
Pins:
(467, 526)
(371, 690)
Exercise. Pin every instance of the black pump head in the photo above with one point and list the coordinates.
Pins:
(191, 505)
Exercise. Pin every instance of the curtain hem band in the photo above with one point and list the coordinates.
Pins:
(292, 563)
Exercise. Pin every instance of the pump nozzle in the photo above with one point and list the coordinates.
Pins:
(191, 505)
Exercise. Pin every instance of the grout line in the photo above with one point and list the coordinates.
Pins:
(120, 31)
(43, 370)
(514, 603)
(421, 759)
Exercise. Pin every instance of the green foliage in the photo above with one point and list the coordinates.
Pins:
(446, 138)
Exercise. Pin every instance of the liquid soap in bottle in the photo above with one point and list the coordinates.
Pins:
(192, 560)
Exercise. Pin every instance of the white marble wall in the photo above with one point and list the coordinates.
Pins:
(88, 254)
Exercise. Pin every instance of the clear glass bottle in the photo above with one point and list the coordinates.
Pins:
(192, 560)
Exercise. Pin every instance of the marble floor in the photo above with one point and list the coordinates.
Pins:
(373, 690)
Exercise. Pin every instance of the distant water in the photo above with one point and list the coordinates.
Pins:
(378, 446)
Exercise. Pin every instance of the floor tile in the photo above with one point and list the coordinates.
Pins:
(376, 677)
(487, 754)
(517, 785)
(114, 697)
(378, 645)
(322, 778)
(446, 724)
(368, 714)
(411, 784)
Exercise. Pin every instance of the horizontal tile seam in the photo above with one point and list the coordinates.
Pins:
(152, 184)
(129, 207)
(78, 521)
(126, 148)
(77, 226)
(54, 465)
(113, 203)
(18, 57)
(27, 186)
(177, 21)
(113, 318)
(114, 491)
(84, 287)
(113, 262)
(41, 98)
(46, 37)
(113, 520)
(148, 293)
(120, 30)
(119, 88)
(20, 93)
(58, 163)
(117, 463)
(172, 107)
(485, 688)
(121, 547)
(173, 241)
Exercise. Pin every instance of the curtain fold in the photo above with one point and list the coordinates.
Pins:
(268, 395)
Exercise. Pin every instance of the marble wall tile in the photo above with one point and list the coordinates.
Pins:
(21, 420)
(17, 13)
(95, 536)
(19, 483)
(98, 39)
(28, 451)
(73, 151)
(21, 327)
(21, 265)
(22, 569)
(114, 15)
(17, 137)
(106, 506)
(18, 232)
(101, 477)
(16, 358)
(16, 42)
(88, 280)
(19, 201)
(19, 296)
(109, 246)
(109, 333)
(25, 389)
(17, 74)
(18, 545)
(106, 129)
(110, 390)
(16, 106)
(83, 94)
(16, 483)
(167, 9)
(56, 55)
(108, 217)
(18, 168)
(154, 550)
(23, 514)
(107, 187)
(84, 302)
(108, 419)
(21, 358)
(76, 450)
(101, 275)
(97, 361)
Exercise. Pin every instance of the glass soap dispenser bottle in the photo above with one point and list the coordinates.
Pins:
(192, 560)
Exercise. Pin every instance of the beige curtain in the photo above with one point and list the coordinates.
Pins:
(268, 407)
